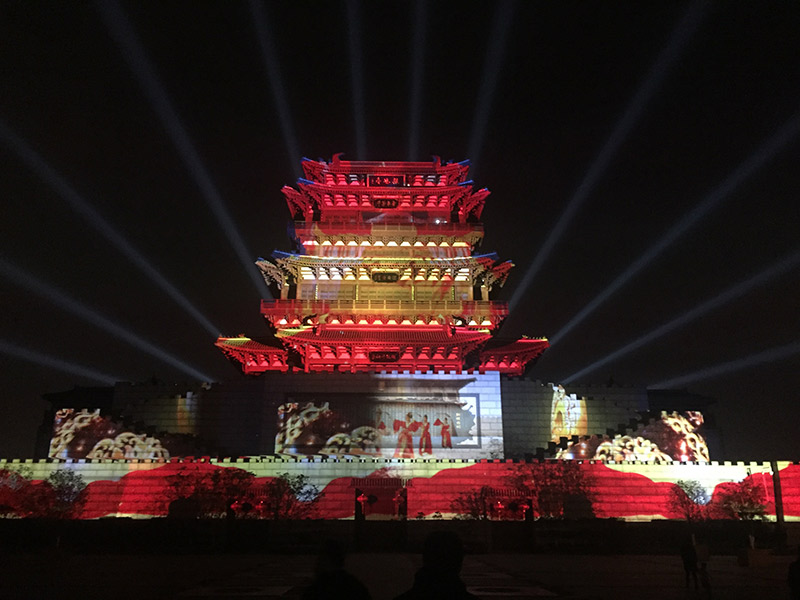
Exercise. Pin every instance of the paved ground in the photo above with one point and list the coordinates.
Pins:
(490, 576)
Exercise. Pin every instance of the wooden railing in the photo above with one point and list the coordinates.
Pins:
(432, 306)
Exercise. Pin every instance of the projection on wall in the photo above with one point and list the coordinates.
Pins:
(85, 433)
(670, 437)
(435, 417)
(568, 414)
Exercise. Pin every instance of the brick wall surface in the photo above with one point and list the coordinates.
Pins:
(631, 491)
(530, 402)
(239, 417)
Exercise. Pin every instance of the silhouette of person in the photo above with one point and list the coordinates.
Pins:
(332, 581)
(439, 579)
(689, 558)
(794, 578)
(705, 580)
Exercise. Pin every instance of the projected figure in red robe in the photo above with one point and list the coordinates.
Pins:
(425, 446)
(447, 439)
(405, 439)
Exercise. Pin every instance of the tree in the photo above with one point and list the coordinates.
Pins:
(744, 501)
(14, 483)
(67, 493)
(60, 496)
(474, 504)
(194, 493)
(220, 488)
(689, 498)
(557, 489)
(289, 497)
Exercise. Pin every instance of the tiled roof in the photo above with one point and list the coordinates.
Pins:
(244, 343)
(422, 334)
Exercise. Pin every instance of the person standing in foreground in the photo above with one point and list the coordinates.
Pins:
(689, 558)
(439, 578)
(705, 580)
(794, 578)
(332, 581)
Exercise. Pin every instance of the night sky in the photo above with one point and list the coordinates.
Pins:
(608, 132)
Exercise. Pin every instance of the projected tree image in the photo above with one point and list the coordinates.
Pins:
(194, 493)
(558, 489)
(288, 497)
(61, 496)
(690, 499)
(476, 504)
(745, 501)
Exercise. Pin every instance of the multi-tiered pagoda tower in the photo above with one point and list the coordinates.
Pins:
(385, 276)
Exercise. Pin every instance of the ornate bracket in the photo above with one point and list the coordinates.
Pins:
(271, 273)
(472, 205)
(298, 203)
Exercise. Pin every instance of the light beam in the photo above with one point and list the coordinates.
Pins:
(265, 42)
(492, 67)
(417, 76)
(760, 358)
(56, 363)
(38, 165)
(357, 76)
(763, 153)
(134, 54)
(784, 266)
(633, 112)
(66, 302)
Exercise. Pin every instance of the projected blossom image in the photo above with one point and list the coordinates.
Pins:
(86, 433)
(671, 437)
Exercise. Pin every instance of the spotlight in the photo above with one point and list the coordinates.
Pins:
(57, 363)
(354, 28)
(79, 309)
(784, 266)
(763, 153)
(767, 356)
(37, 164)
(492, 67)
(133, 52)
(633, 111)
(417, 76)
(265, 37)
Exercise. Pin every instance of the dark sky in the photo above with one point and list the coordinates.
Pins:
(559, 82)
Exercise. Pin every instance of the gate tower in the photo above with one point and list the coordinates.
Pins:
(385, 276)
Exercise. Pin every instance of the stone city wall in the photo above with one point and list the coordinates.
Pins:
(428, 488)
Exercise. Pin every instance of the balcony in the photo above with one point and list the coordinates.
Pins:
(445, 307)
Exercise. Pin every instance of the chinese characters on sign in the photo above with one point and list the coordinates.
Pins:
(386, 180)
